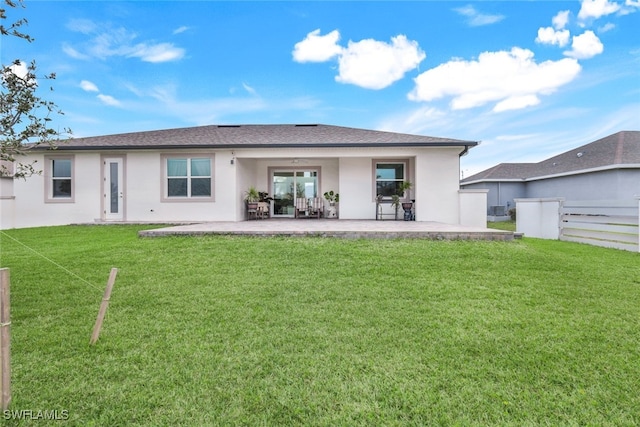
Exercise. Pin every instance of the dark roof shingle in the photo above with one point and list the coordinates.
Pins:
(238, 136)
(617, 149)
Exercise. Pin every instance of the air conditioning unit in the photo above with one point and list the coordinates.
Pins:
(497, 210)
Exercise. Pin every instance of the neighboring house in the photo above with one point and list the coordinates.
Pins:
(201, 173)
(607, 169)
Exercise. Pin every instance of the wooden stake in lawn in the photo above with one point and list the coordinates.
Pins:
(5, 339)
(103, 306)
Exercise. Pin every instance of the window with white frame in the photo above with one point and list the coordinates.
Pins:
(188, 177)
(389, 176)
(59, 175)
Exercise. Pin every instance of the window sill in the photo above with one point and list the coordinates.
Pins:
(61, 200)
(187, 200)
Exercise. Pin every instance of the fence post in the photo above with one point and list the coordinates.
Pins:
(638, 200)
(560, 216)
(103, 306)
(5, 338)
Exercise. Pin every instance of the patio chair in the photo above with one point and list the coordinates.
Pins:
(263, 210)
(316, 208)
(302, 206)
(252, 210)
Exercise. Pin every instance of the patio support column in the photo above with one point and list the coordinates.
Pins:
(436, 187)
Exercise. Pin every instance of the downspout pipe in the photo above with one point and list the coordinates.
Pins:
(466, 148)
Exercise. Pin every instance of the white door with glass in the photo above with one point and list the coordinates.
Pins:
(288, 185)
(113, 189)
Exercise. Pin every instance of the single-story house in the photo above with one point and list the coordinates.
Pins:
(606, 169)
(200, 174)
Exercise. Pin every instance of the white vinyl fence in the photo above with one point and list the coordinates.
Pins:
(608, 223)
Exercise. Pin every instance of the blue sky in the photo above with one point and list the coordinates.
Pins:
(529, 79)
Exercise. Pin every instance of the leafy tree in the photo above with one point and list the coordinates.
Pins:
(25, 117)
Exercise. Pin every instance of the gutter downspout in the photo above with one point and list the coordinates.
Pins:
(466, 148)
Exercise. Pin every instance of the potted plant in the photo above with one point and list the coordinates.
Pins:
(407, 205)
(333, 198)
(252, 196)
(264, 197)
(395, 203)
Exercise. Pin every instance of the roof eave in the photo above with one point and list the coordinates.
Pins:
(481, 180)
(465, 144)
(584, 171)
(556, 175)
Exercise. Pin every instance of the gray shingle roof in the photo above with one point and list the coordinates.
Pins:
(621, 148)
(238, 136)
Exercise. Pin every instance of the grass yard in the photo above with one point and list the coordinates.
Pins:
(321, 331)
(503, 225)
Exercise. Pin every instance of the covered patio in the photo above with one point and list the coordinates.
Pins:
(335, 228)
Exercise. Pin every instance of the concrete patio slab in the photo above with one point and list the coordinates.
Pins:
(335, 228)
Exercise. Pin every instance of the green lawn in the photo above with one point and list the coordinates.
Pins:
(321, 331)
(503, 225)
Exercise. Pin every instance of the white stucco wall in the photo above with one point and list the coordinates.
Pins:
(437, 184)
(539, 217)
(7, 203)
(144, 195)
(31, 208)
(433, 171)
(246, 176)
(356, 194)
(473, 205)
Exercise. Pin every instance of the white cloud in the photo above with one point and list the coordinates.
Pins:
(19, 69)
(513, 80)
(516, 103)
(73, 53)
(594, 9)
(107, 42)
(166, 94)
(180, 30)
(548, 35)
(475, 18)
(515, 137)
(560, 20)
(375, 65)
(79, 25)
(585, 46)
(367, 63)
(110, 42)
(555, 35)
(317, 48)
(109, 100)
(166, 101)
(88, 86)
(421, 120)
(249, 89)
(163, 52)
(606, 27)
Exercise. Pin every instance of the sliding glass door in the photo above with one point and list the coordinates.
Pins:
(288, 185)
